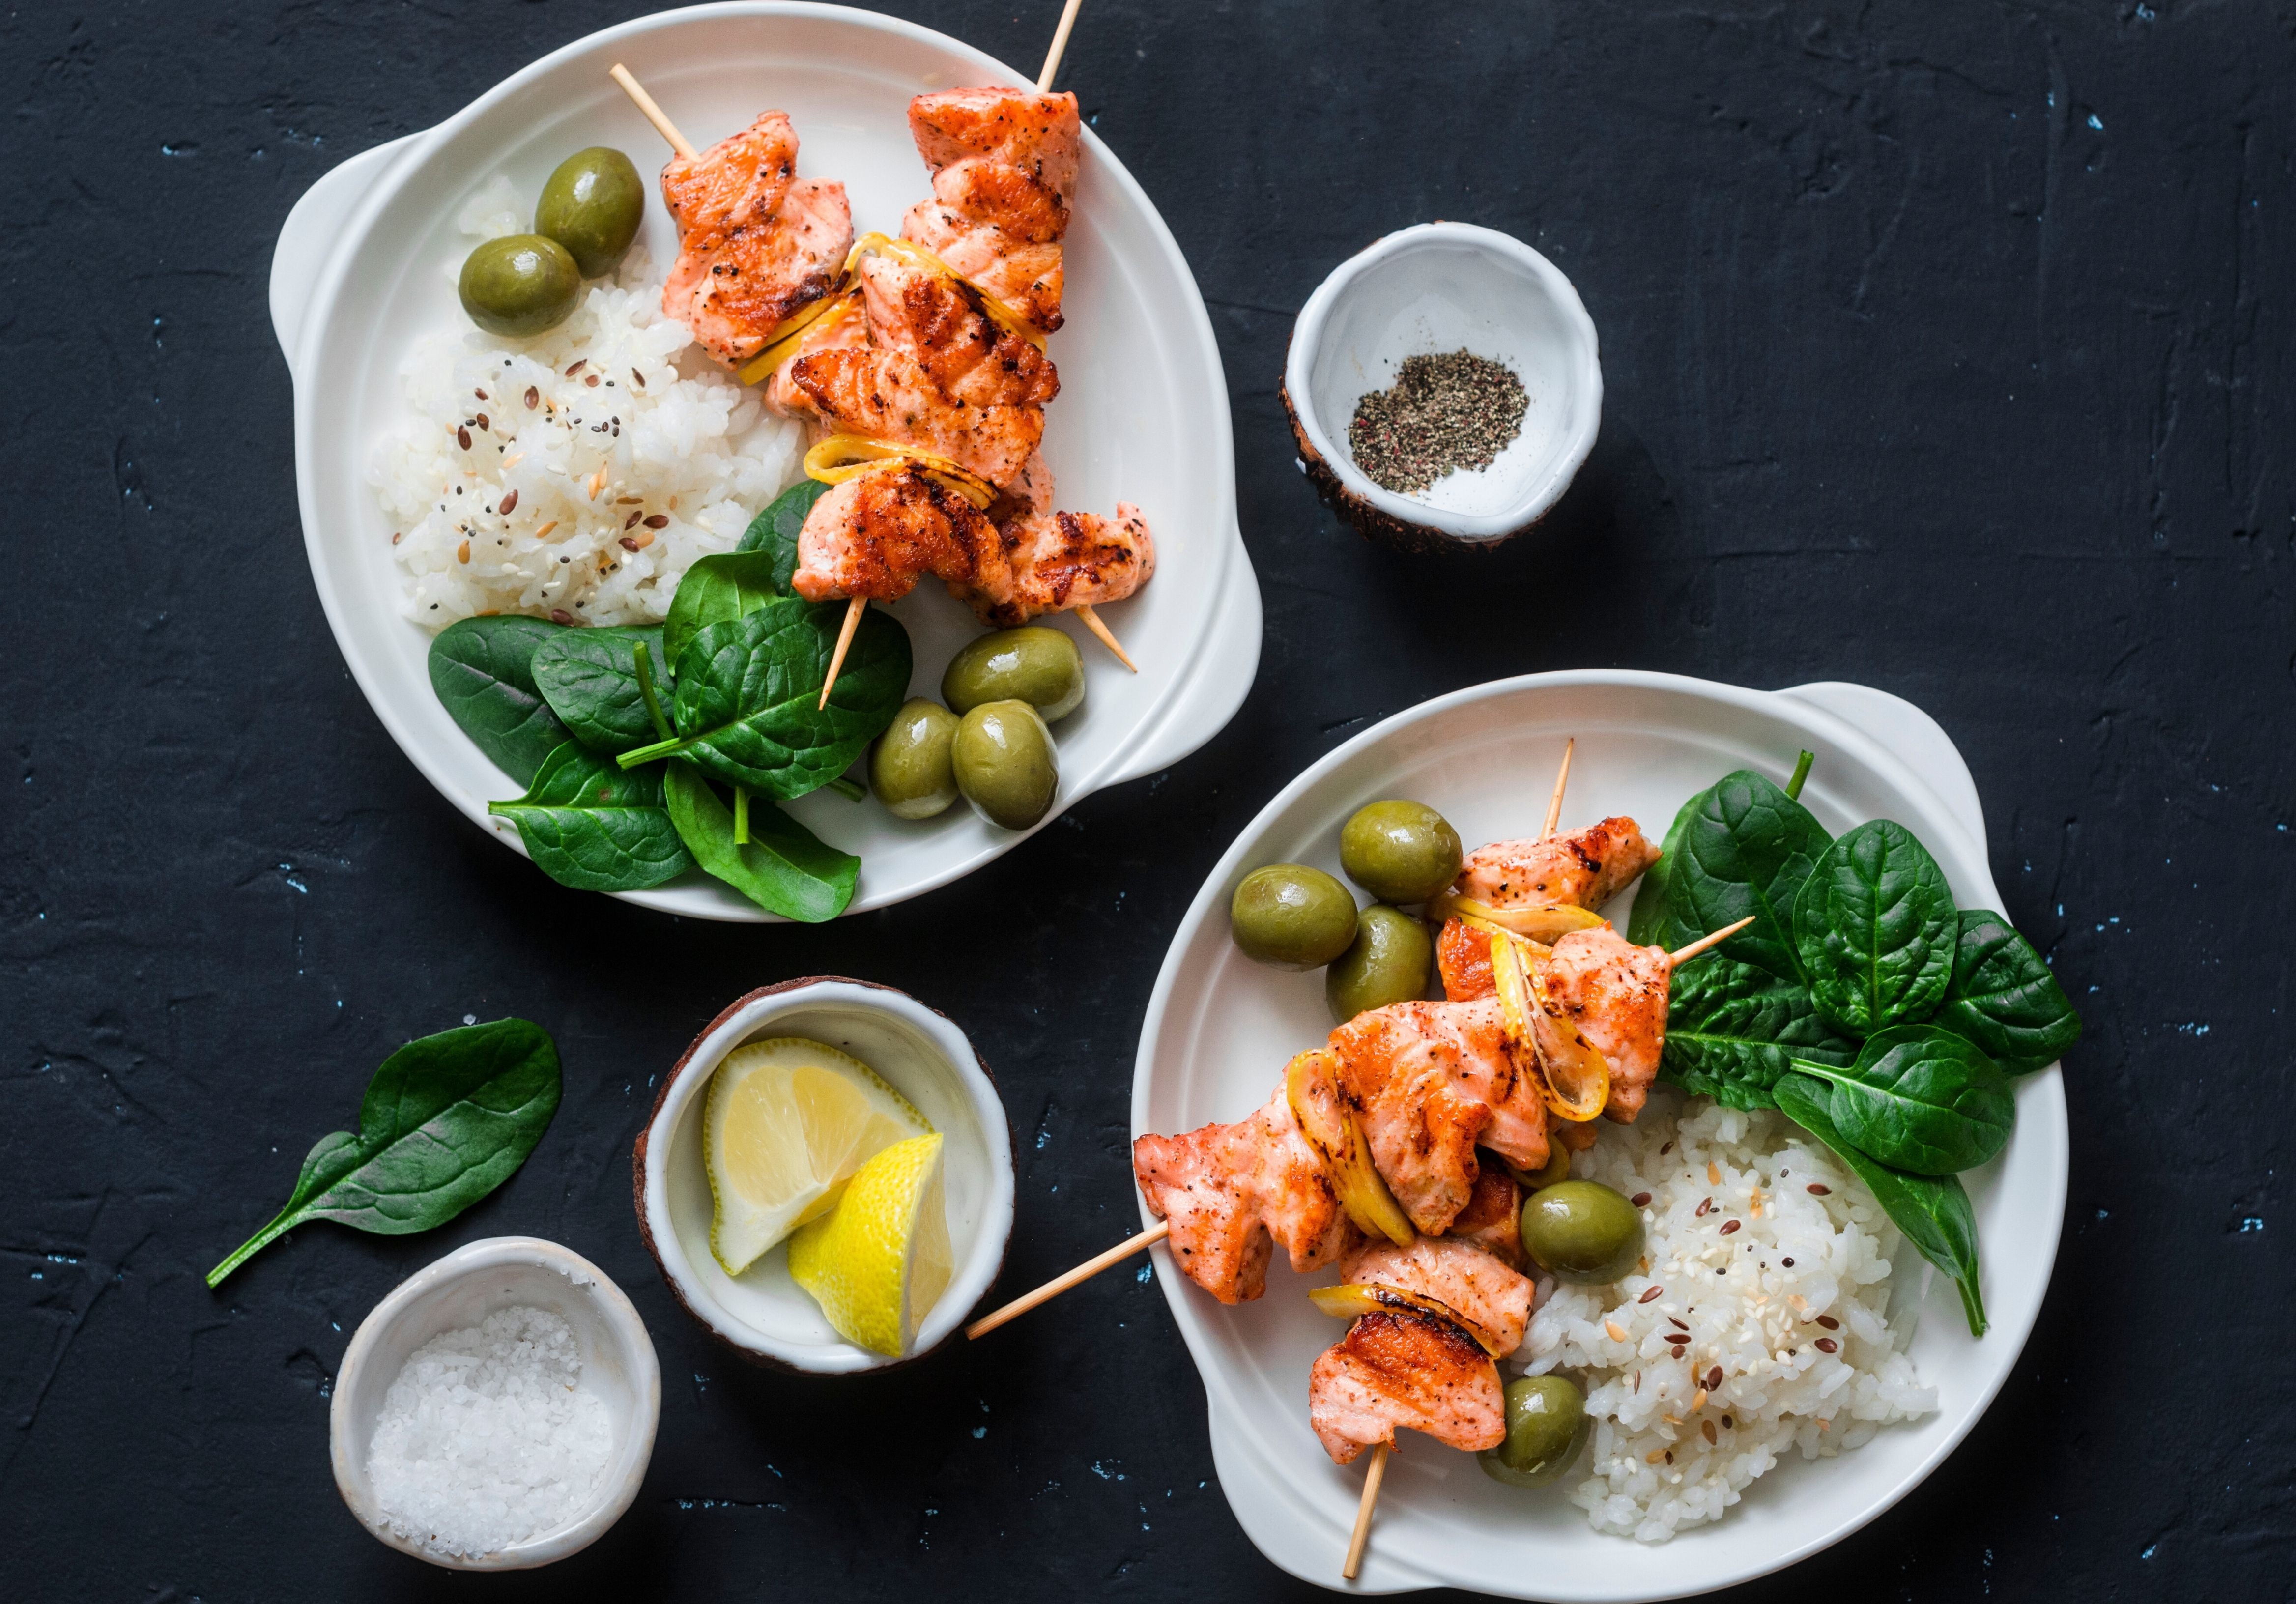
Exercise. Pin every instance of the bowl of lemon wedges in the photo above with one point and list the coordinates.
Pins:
(826, 1180)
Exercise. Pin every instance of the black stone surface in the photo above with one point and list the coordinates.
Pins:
(1948, 349)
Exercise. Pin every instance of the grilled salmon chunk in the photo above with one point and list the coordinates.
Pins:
(758, 244)
(879, 532)
(887, 397)
(1584, 868)
(1492, 1219)
(1616, 994)
(1458, 1274)
(1399, 1368)
(1065, 559)
(1232, 1192)
(938, 323)
(1003, 165)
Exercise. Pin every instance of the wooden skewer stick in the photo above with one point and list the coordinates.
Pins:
(1716, 938)
(653, 113)
(1061, 1283)
(1554, 803)
(1106, 636)
(855, 606)
(1372, 1479)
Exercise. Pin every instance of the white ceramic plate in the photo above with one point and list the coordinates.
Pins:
(1142, 412)
(1219, 1029)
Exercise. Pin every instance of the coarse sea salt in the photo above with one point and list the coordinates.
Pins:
(487, 1437)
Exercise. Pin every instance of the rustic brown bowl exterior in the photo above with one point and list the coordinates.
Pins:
(637, 1178)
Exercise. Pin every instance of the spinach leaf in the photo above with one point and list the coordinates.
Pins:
(2004, 999)
(1876, 927)
(1920, 1099)
(445, 1121)
(595, 827)
(714, 590)
(1743, 847)
(482, 670)
(747, 689)
(774, 530)
(784, 867)
(1733, 1028)
(1652, 921)
(1933, 1211)
(590, 679)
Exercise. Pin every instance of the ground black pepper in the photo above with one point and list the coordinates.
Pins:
(1446, 412)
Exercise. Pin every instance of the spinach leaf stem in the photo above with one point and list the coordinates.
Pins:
(645, 689)
(1801, 773)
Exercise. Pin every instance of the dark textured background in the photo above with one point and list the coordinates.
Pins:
(1948, 349)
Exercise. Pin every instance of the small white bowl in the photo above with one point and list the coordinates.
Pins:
(761, 1313)
(459, 1291)
(1445, 287)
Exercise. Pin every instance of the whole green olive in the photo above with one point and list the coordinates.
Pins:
(1582, 1232)
(1039, 665)
(592, 205)
(1388, 963)
(1006, 764)
(1293, 916)
(913, 766)
(519, 284)
(1400, 852)
(1547, 1426)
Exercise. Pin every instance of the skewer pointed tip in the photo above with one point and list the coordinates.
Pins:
(1561, 778)
(1372, 1479)
(1107, 637)
(1061, 1283)
(855, 606)
(1712, 939)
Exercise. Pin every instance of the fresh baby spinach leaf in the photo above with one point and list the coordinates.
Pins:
(784, 867)
(482, 671)
(590, 679)
(1741, 847)
(1875, 927)
(714, 590)
(1919, 1098)
(745, 706)
(1733, 1028)
(445, 1121)
(2004, 998)
(591, 825)
(1933, 1211)
(774, 530)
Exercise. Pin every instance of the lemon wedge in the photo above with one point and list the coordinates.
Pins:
(880, 1260)
(788, 1124)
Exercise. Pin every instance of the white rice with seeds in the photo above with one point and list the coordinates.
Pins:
(634, 456)
(1758, 1287)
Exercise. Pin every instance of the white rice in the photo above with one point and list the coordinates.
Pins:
(675, 437)
(1749, 1295)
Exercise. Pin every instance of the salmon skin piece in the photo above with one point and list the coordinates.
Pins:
(1399, 1368)
(757, 244)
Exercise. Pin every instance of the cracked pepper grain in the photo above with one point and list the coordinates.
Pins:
(1446, 413)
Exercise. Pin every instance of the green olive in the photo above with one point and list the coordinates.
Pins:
(1400, 852)
(1388, 963)
(592, 205)
(519, 284)
(1582, 1232)
(1293, 916)
(1006, 764)
(1547, 1426)
(1039, 665)
(912, 768)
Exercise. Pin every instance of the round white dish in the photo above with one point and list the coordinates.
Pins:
(1446, 287)
(360, 271)
(1219, 1028)
(459, 1291)
(761, 1312)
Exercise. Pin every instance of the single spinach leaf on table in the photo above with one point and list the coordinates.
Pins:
(2004, 998)
(1919, 1098)
(590, 679)
(747, 689)
(591, 825)
(784, 867)
(1733, 1028)
(1743, 848)
(1876, 928)
(1933, 1211)
(774, 530)
(445, 1121)
(715, 589)
(482, 670)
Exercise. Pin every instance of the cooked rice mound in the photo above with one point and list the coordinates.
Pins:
(1748, 1282)
(635, 457)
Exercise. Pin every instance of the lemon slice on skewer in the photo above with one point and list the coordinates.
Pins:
(787, 1125)
(879, 1261)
